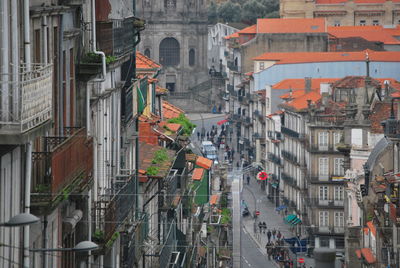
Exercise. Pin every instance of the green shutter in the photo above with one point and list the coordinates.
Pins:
(142, 95)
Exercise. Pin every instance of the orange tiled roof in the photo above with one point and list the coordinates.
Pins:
(292, 25)
(248, 30)
(358, 253)
(368, 255)
(204, 162)
(296, 84)
(304, 57)
(147, 152)
(370, 33)
(301, 102)
(171, 111)
(380, 111)
(355, 1)
(214, 199)
(197, 174)
(143, 62)
(173, 126)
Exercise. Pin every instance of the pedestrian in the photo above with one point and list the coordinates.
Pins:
(264, 227)
(279, 235)
(229, 155)
(260, 226)
(274, 234)
(269, 236)
(248, 180)
(198, 135)
(233, 152)
(208, 135)
(285, 211)
(269, 250)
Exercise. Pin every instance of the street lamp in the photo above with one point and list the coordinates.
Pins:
(20, 220)
(80, 247)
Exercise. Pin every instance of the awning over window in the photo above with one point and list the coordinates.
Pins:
(292, 219)
(368, 255)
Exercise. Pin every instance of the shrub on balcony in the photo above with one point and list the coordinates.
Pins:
(152, 170)
(160, 156)
(226, 216)
(42, 188)
(184, 122)
(98, 236)
(95, 58)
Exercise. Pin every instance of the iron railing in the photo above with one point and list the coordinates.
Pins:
(275, 159)
(289, 156)
(116, 37)
(289, 132)
(26, 98)
(66, 161)
(231, 65)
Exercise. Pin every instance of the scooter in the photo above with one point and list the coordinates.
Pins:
(245, 212)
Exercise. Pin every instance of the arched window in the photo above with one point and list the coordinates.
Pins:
(192, 57)
(169, 52)
(170, 4)
(147, 52)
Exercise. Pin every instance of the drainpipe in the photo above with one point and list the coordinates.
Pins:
(27, 38)
(28, 166)
(44, 39)
(101, 53)
(15, 56)
(5, 60)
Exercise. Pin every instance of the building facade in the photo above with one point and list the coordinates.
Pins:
(176, 36)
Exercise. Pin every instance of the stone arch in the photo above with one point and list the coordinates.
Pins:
(192, 57)
(169, 52)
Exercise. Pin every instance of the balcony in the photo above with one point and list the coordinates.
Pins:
(255, 114)
(288, 179)
(66, 165)
(289, 132)
(289, 156)
(324, 229)
(322, 149)
(246, 120)
(275, 159)
(338, 203)
(338, 230)
(230, 88)
(29, 102)
(231, 65)
(325, 179)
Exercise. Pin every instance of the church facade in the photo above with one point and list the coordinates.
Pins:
(176, 37)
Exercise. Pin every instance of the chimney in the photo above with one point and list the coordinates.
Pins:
(307, 84)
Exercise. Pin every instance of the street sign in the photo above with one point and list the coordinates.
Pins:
(301, 260)
(257, 213)
(262, 175)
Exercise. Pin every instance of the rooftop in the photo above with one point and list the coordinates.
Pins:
(147, 153)
(145, 63)
(291, 25)
(369, 33)
(308, 57)
(321, 2)
(171, 111)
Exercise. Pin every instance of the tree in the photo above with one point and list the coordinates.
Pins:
(212, 13)
(252, 10)
(229, 12)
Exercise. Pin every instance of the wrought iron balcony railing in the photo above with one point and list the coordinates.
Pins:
(26, 98)
(289, 156)
(289, 132)
(231, 65)
(275, 159)
(66, 164)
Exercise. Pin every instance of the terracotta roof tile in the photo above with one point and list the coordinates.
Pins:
(145, 63)
(248, 30)
(370, 33)
(301, 102)
(147, 152)
(296, 84)
(171, 111)
(291, 25)
(358, 253)
(320, 2)
(214, 199)
(380, 112)
(305, 57)
(368, 255)
(197, 174)
(204, 162)
(173, 127)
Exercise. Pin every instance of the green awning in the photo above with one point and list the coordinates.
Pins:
(296, 221)
(290, 218)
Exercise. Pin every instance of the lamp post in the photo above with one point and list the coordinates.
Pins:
(80, 247)
(20, 220)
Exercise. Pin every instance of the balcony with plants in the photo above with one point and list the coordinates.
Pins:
(64, 166)
(26, 99)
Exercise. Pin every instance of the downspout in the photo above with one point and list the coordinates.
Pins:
(5, 89)
(101, 53)
(27, 38)
(44, 40)
(28, 166)
(15, 57)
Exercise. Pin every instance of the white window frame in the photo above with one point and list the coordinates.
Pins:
(363, 22)
(323, 167)
(323, 193)
(338, 166)
(323, 140)
(336, 139)
(375, 22)
(323, 219)
(339, 219)
(262, 65)
(339, 193)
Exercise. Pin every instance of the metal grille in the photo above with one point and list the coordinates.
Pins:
(169, 52)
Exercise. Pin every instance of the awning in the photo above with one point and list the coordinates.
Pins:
(281, 208)
(197, 174)
(292, 219)
(222, 122)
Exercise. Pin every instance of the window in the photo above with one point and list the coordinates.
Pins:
(323, 141)
(147, 52)
(336, 23)
(362, 23)
(336, 139)
(267, 103)
(323, 168)
(375, 22)
(338, 166)
(323, 193)
(323, 218)
(192, 56)
(169, 52)
(339, 194)
(170, 4)
(261, 65)
(339, 219)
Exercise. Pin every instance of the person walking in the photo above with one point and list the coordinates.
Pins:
(248, 180)
(274, 234)
(208, 135)
(233, 153)
(268, 246)
(279, 235)
(260, 226)
(198, 135)
(264, 227)
(269, 236)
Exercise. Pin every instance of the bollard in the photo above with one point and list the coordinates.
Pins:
(324, 257)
